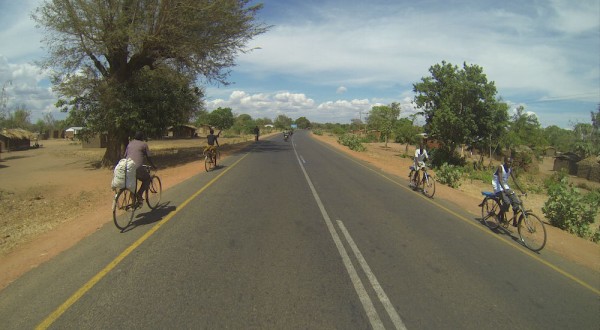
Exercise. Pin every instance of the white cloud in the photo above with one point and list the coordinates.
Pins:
(341, 90)
(517, 47)
(27, 86)
(295, 105)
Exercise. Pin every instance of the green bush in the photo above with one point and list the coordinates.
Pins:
(449, 175)
(317, 132)
(338, 130)
(351, 141)
(567, 209)
(481, 175)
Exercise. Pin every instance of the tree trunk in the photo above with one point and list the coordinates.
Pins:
(115, 149)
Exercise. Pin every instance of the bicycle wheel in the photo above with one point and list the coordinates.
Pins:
(489, 213)
(123, 208)
(428, 186)
(410, 178)
(154, 192)
(208, 163)
(532, 231)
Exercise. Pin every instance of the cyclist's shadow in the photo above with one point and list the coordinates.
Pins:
(509, 231)
(150, 216)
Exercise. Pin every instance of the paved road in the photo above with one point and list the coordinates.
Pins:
(291, 235)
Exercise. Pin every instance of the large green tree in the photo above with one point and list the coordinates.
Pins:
(104, 53)
(525, 129)
(283, 122)
(244, 124)
(221, 118)
(383, 118)
(303, 122)
(460, 105)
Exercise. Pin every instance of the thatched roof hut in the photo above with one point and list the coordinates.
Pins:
(589, 168)
(15, 139)
(567, 161)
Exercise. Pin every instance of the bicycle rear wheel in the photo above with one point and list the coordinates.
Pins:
(428, 186)
(208, 163)
(123, 208)
(532, 231)
(490, 210)
(154, 192)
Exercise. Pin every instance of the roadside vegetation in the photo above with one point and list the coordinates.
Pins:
(463, 116)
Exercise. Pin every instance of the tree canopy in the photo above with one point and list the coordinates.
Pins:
(126, 65)
(283, 122)
(460, 105)
(221, 118)
(384, 118)
(303, 122)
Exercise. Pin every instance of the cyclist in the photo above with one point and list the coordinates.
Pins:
(256, 133)
(420, 158)
(138, 150)
(212, 139)
(502, 189)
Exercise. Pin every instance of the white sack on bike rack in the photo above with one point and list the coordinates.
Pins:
(124, 175)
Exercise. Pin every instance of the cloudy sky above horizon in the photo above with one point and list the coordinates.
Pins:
(332, 60)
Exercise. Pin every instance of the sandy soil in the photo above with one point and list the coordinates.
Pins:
(52, 197)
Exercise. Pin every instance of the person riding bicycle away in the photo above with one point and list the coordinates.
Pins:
(212, 139)
(420, 157)
(138, 151)
(502, 189)
(256, 133)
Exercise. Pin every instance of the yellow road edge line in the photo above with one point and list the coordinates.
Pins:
(50, 319)
(475, 225)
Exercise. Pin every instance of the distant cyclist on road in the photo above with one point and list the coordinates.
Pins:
(212, 139)
(256, 133)
(138, 151)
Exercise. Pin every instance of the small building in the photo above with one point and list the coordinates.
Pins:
(72, 132)
(589, 168)
(550, 151)
(15, 139)
(96, 141)
(182, 132)
(566, 161)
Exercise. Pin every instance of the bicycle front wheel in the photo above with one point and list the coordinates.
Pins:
(123, 208)
(490, 210)
(532, 231)
(428, 186)
(154, 192)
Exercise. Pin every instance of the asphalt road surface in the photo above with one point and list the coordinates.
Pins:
(295, 235)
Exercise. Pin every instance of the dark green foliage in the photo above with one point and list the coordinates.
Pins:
(567, 209)
(450, 175)
(351, 141)
(460, 106)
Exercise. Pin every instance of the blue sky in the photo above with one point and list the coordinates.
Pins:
(331, 61)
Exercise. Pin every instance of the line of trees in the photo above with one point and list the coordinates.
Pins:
(461, 108)
(225, 119)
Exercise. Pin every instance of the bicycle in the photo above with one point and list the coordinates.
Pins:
(531, 229)
(426, 182)
(211, 155)
(126, 202)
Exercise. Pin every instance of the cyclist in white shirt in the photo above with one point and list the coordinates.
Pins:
(420, 158)
(502, 189)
